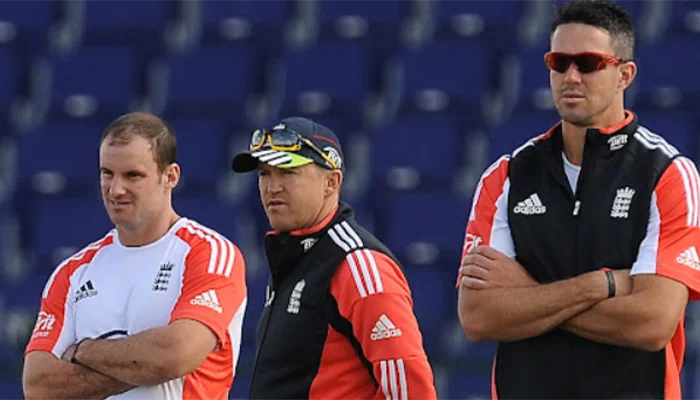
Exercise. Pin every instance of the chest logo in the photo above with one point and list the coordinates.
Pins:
(160, 284)
(295, 298)
(617, 142)
(308, 243)
(621, 204)
(85, 291)
(530, 206)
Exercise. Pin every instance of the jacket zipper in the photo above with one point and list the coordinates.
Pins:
(262, 340)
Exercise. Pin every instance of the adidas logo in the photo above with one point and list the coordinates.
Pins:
(85, 291)
(208, 299)
(530, 206)
(690, 258)
(384, 329)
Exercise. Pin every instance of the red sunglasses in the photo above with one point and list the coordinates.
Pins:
(585, 62)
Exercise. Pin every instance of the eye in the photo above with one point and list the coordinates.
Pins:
(289, 171)
(262, 172)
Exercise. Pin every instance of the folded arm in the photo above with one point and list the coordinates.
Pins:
(45, 376)
(646, 319)
(151, 357)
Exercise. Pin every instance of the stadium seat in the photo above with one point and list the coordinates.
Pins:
(94, 81)
(331, 78)
(410, 146)
(202, 152)
(61, 156)
(377, 21)
(28, 23)
(457, 73)
(678, 128)
(210, 82)
(497, 25)
(259, 22)
(664, 69)
(432, 288)
(56, 224)
(126, 23)
(517, 130)
(209, 211)
(684, 18)
(532, 78)
(10, 78)
(419, 223)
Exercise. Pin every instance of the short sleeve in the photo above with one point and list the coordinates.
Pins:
(214, 290)
(670, 247)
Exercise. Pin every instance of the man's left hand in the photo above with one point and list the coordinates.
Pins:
(485, 268)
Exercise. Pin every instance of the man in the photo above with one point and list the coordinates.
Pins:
(581, 247)
(338, 321)
(154, 309)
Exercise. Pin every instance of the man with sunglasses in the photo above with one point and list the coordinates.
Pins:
(338, 321)
(581, 247)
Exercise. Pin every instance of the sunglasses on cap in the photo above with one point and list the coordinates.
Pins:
(285, 140)
(585, 62)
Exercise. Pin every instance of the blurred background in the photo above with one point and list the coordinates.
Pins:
(424, 95)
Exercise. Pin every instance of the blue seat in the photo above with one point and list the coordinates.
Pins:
(415, 143)
(31, 20)
(464, 383)
(342, 73)
(517, 130)
(257, 288)
(678, 128)
(55, 228)
(110, 76)
(10, 78)
(662, 82)
(202, 152)
(494, 22)
(209, 211)
(211, 82)
(459, 70)
(434, 218)
(432, 289)
(69, 150)
(259, 22)
(377, 21)
(118, 22)
(684, 18)
(533, 80)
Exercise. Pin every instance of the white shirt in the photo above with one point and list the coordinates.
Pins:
(111, 290)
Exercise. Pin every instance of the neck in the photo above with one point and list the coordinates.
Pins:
(327, 209)
(574, 136)
(148, 233)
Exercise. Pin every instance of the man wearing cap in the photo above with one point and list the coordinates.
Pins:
(338, 321)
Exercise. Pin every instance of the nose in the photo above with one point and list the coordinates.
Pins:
(274, 183)
(116, 187)
(572, 74)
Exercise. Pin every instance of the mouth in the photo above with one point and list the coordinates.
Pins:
(119, 203)
(572, 96)
(275, 203)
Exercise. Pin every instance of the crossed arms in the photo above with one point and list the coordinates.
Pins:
(499, 301)
(106, 367)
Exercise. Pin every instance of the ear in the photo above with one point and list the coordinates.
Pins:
(628, 71)
(171, 176)
(334, 180)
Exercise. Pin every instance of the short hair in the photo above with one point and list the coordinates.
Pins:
(150, 127)
(601, 14)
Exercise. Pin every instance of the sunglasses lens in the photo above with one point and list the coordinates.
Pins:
(557, 62)
(257, 138)
(283, 138)
(589, 62)
(585, 62)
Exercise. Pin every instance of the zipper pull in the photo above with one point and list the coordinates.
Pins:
(577, 206)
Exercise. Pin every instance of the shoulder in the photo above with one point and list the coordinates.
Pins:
(65, 270)
(654, 144)
(366, 272)
(209, 248)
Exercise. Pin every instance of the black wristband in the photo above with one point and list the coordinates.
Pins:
(611, 283)
(73, 358)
